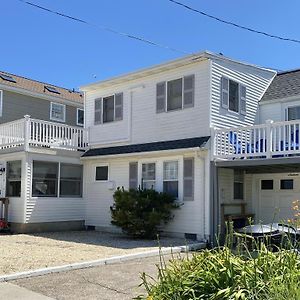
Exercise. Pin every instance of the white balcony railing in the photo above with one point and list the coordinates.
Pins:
(258, 141)
(32, 132)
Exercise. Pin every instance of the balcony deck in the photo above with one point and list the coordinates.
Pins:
(269, 140)
(29, 132)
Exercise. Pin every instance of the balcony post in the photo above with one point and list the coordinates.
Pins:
(26, 132)
(269, 141)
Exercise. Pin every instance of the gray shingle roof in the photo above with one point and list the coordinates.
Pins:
(285, 84)
(149, 147)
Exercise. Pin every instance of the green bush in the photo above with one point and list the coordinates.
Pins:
(140, 212)
(223, 274)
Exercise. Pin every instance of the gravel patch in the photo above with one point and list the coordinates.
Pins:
(24, 252)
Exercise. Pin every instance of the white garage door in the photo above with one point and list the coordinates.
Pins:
(276, 195)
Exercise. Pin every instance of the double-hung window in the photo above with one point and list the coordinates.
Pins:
(57, 112)
(109, 109)
(70, 180)
(13, 178)
(80, 117)
(148, 176)
(175, 94)
(233, 96)
(170, 178)
(45, 179)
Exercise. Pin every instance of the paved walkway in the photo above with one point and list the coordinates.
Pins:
(9, 291)
(108, 282)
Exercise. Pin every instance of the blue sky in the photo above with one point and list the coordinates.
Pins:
(49, 48)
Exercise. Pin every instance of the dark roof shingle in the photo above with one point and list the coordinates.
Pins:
(40, 87)
(285, 84)
(149, 147)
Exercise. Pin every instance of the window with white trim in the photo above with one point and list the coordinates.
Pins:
(70, 180)
(293, 113)
(170, 178)
(108, 109)
(13, 178)
(101, 173)
(148, 176)
(80, 117)
(175, 94)
(233, 95)
(57, 112)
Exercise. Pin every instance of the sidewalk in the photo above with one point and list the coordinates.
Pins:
(10, 291)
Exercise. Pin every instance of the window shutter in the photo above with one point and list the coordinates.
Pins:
(161, 97)
(119, 107)
(98, 111)
(225, 92)
(188, 179)
(242, 100)
(133, 175)
(189, 91)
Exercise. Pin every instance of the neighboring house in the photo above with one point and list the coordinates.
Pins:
(41, 140)
(155, 128)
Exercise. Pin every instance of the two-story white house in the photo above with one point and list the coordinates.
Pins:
(169, 127)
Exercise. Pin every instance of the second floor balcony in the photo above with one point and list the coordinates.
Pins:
(269, 140)
(28, 132)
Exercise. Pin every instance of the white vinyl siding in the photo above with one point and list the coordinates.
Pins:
(253, 84)
(57, 112)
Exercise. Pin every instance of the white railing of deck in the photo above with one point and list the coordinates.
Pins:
(265, 140)
(33, 132)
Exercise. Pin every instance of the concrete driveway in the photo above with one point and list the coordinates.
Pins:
(108, 282)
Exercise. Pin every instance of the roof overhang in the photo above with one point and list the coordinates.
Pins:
(180, 62)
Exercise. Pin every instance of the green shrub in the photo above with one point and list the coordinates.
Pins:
(223, 274)
(140, 212)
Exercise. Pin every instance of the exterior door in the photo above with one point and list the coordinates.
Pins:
(276, 195)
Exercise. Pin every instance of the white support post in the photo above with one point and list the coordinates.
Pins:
(26, 132)
(269, 138)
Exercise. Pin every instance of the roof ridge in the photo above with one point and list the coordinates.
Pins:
(288, 71)
(42, 82)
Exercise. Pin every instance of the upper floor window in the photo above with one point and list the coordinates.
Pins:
(57, 112)
(108, 109)
(80, 117)
(233, 96)
(175, 94)
(293, 113)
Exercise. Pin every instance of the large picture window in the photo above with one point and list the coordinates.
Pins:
(70, 180)
(45, 179)
(170, 184)
(13, 179)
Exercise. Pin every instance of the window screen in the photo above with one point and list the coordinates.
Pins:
(45, 179)
(102, 173)
(174, 92)
(70, 180)
(293, 113)
(170, 184)
(13, 178)
(233, 96)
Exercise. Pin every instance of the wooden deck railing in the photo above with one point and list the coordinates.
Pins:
(32, 132)
(272, 139)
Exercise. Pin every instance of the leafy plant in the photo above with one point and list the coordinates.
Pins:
(227, 274)
(140, 212)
